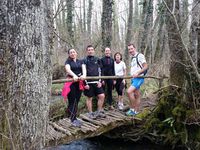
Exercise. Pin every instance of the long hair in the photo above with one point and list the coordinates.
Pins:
(68, 51)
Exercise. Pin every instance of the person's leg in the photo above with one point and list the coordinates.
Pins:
(89, 104)
(137, 100)
(121, 91)
(109, 83)
(100, 102)
(89, 94)
(72, 103)
(134, 95)
(131, 96)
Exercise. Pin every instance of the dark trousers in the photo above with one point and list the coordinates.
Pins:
(119, 86)
(73, 99)
(108, 91)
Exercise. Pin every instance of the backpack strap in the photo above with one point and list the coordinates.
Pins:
(138, 61)
(145, 72)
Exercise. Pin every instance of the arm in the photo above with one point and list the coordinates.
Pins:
(113, 67)
(82, 77)
(70, 72)
(145, 67)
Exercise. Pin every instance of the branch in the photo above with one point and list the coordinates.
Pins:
(107, 77)
(184, 45)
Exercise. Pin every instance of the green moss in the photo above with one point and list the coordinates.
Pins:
(144, 113)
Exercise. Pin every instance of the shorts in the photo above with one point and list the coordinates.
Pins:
(137, 82)
(93, 90)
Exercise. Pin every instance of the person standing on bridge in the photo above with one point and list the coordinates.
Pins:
(138, 68)
(93, 87)
(75, 69)
(120, 70)
(108, 70)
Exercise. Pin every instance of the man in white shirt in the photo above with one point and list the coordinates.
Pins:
(138, 68)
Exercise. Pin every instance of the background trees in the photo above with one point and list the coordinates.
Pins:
(25, 43)
(167, 32)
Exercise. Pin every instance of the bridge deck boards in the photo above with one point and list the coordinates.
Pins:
(62, 132)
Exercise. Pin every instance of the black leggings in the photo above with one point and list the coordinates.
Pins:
(73, 99)
(119, 86)
(109, 84)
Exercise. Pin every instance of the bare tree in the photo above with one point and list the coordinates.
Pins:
(129, 30)
(106, 23)
(70, 21)
(146, 39)
(25, 43)
(193, 30)
(175, 46)
(89, 17)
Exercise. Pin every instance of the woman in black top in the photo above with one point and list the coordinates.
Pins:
(75, 69)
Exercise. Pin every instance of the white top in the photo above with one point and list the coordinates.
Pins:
(119, 68)
(134, 66)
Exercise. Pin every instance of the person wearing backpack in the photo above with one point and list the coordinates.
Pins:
(93, 87)
(138, 68)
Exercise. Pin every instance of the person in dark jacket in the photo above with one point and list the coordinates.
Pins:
(108, 70)
(75, 69)
(93, 87)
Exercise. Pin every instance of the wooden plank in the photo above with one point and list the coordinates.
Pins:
(84, 117)
(59, 128)
(89, 127)
(113, 116)
(63, 124)
(56, 135)
(90, 124)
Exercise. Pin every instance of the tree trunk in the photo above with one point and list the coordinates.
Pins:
(106, 23)
(89, 18)
(175, 46)
(193, 31)
(25, 38)
(116, 43)
(129, 31)
(146, 39)
(198, 47)
(70, 16)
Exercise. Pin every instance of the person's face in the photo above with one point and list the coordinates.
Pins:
(72, 54)
(131, 50)
(118, 57)
(107, 52)
(90, 51)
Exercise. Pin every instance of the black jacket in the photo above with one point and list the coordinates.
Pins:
(107, 66)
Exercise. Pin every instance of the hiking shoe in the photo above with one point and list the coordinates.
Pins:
(76, 123)
(131, 113)
(100, 114)
(91, 115)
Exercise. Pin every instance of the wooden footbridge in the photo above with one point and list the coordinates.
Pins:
(62, 132)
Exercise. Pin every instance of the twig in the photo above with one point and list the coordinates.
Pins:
(9, 127)
(184, 45)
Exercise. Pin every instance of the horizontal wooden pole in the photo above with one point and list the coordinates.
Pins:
(106, 77)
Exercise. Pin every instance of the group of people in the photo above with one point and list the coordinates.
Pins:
(106, 66)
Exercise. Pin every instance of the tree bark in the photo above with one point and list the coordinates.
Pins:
(129, 31)
(198, 47)
(25, 43)
(106, 23)
(146, 38)
(175, 45)
(193, 37)
(70, 16)
(89, 18)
